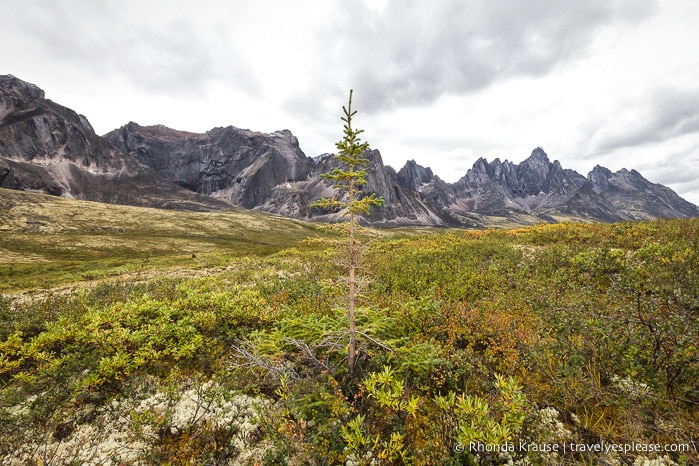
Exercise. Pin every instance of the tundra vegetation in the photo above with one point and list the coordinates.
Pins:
(554, 344)
(549, 335)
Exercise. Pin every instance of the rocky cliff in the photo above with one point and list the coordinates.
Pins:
(545, 190)
(265, 171)
(633, 197)
(237, 165)
(45, 147)
(48, 148)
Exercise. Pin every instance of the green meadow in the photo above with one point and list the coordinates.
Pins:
(142, 336)
(47, 241)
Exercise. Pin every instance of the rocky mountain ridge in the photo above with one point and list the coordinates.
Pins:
(48, 148)
(262, 171)
(270, 172)
(544, 188)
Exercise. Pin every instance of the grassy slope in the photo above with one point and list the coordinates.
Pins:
(46, 240)
(596, 321)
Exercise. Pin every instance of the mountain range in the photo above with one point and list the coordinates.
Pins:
(45, 147)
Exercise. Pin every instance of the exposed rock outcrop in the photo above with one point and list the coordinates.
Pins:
(45, 147)
(635, 198)
(49, 148)
(263, 171)
(237, 165)
(547, 191)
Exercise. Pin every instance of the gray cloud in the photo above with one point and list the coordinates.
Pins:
(668, 113)
(291, 64)
(161, 54)
(678, 170)
(413, 52)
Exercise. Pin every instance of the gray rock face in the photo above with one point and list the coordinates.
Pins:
(546, 190)
(635, 198)
(33, 129)
(534, 174)
(414, 176)
(16, 96)
(402, 205)
(237, 165)
(535, 183)
(261, 171)
(47, 148)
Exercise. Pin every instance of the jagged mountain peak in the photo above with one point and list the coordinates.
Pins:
(12, 87)
(49, 148)
(533, 173)
(637, 198)
(497, 164)
(538, 154)
(538, 160)
(481, 163)
(413, 175)
(599, 177)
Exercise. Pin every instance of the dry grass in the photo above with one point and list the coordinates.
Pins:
(50, 242)
(47, 241)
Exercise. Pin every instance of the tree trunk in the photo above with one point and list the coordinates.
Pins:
(352, 351)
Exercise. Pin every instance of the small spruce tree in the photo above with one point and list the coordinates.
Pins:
(349, 179)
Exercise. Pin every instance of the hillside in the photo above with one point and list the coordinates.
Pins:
(47, 240)
(554, 344)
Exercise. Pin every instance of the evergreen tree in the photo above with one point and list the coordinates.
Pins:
(349, 179)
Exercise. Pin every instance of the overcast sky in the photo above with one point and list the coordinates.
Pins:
(443, 82)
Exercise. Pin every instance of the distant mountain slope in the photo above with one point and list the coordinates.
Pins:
(48, 148)
(270, 172)
(636, 198)
(236, 164)
(262, 171)
(544, 188)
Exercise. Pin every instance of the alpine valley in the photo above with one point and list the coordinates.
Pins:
(48, 148)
